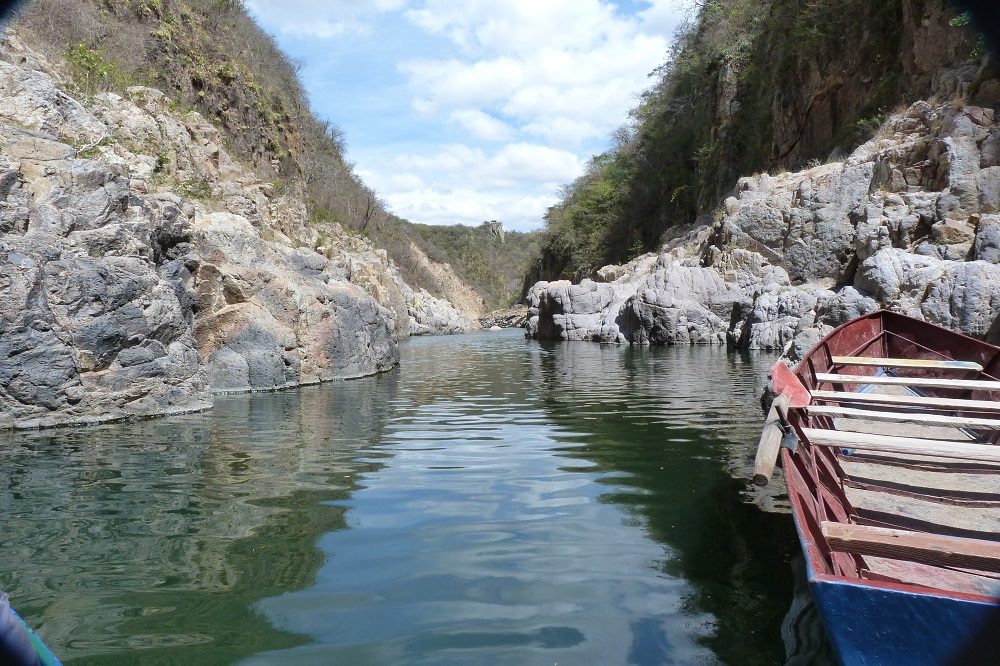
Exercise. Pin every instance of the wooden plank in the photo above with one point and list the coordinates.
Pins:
(943, 364)
(919, 418)
(910, 400)
(909, 445)
(933, 549)
(918, 382)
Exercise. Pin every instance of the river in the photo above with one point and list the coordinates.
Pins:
(490, 501)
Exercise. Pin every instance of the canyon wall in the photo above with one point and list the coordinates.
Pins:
(143, 268)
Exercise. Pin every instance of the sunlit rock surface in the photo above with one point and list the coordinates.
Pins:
(908, 222)
(143, 269)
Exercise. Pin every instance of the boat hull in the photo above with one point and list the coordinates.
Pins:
(886, 627)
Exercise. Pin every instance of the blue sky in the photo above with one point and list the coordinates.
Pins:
(459, 111)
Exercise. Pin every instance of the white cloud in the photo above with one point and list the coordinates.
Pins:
(519, 26)
(562, 131)
(506, 98)
(459, 165)
(482, 125)
(468, 206)
(665, 16)
(452, 83)
(563, 70)
(463, 184)
(535, 163)
(324, 19)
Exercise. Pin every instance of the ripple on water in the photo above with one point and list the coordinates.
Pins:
(491, 501)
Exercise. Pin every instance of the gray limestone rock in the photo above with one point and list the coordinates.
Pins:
(986, 246)
(893, 226)
(844, 306)
(433, 316)
(804, 341)
(587, 311)
(680, 304)
(964, 296)
(774, 315)
(90, 338)
(280, 312)
(120, 299)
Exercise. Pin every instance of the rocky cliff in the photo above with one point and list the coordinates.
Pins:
(908, 221)
(757, 86)
(143, 268)
(210, 56)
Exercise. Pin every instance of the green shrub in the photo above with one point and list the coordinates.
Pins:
(195, 188)
(90, 69)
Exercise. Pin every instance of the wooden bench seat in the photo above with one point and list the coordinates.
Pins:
(906, 445)
(916, 382)
(942, 364)
(918, 418)
(910, 400)
(933, 549)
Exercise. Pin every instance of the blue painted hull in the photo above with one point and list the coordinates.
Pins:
(19, 644)
(876, 625)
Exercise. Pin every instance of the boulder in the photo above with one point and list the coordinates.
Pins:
(964, 296)
(845, 305)
(773, 315)
(587, 311)
(986, 245)
(429, 315)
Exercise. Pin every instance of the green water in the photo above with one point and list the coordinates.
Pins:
(491, 501)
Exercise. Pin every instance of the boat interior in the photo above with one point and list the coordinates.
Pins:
(896, 469)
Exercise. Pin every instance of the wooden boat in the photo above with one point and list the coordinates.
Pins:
(889, 431)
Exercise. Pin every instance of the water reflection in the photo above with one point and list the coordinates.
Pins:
(683, 417)
(561, 503)
(149, 542)
(493, 501)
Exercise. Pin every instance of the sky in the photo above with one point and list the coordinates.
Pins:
(459, 111)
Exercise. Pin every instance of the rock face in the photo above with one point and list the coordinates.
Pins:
(142, 269)
(414, 311)
(908, 222)
(270, 316)
(445, 282)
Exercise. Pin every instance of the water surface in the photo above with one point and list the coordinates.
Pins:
(491, 501)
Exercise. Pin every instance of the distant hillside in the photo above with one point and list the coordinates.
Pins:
(754, 86)
(210, 56)
(493, 262)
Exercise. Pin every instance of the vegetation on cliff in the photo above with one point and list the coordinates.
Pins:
(210, 56)
(750, 87)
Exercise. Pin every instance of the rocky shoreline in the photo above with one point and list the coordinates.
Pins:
(515, 316)
(907, 222)
(143, 269)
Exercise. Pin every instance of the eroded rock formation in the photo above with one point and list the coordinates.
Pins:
(142, 269)
(908, 221)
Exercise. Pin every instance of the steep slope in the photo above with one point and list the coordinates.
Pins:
(752, 87)
(488, 257)
(210, 56)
